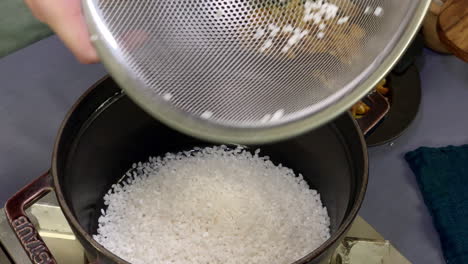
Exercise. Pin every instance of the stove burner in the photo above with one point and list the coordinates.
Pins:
(362, 242)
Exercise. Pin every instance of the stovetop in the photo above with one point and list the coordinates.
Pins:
(54, 230)
(363, 243)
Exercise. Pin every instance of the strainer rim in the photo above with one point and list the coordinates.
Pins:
(114, 62)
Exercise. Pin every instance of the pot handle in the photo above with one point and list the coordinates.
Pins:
(27, 234)
(380, 107)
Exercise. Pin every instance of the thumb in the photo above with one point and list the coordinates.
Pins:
(66, 19)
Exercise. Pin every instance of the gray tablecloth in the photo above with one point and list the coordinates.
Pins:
(38, 85)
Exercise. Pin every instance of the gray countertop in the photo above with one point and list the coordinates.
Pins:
(40, 83)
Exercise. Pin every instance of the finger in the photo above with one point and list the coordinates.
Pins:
(67, 21)
(134, 39)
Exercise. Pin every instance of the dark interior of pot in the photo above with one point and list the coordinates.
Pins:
(107, 132)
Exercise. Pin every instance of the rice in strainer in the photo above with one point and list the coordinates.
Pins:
(212, 205)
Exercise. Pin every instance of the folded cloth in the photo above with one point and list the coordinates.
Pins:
(442, 176)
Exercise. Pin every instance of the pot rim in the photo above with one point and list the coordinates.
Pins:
(344, 227)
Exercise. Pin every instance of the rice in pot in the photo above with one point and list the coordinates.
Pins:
(212, 205)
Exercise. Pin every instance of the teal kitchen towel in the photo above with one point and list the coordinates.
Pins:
(442, 176)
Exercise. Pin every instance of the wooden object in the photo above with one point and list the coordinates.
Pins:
(452, 27)
(429, 28)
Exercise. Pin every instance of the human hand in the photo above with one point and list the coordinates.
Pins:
(66, 19)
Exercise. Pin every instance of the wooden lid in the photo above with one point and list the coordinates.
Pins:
(453, 27)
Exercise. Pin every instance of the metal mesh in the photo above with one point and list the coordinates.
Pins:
(245, 63)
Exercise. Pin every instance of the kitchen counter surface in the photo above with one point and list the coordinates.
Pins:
(40, 83)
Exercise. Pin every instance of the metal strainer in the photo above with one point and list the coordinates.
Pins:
(248, 71)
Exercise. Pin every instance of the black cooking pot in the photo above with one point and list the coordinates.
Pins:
(105, 132)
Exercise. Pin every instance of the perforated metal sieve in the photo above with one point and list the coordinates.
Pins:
(250, 71)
